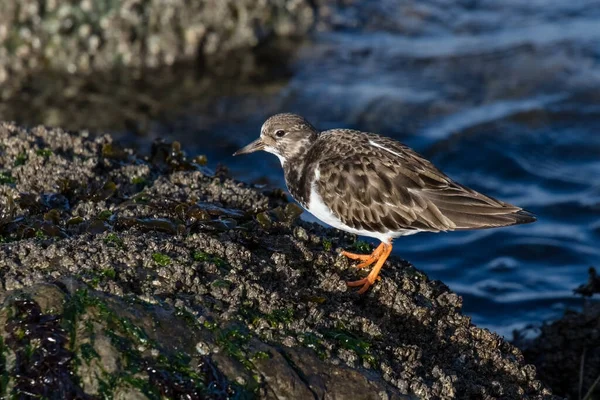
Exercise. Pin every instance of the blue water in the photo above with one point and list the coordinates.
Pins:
(502, 96)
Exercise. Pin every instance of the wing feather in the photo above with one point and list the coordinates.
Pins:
(389, 187)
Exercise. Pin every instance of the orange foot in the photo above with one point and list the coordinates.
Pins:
(380, 254)
(367, 259)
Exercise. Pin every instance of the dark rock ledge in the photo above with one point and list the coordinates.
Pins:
(130, 278)
(567, 351)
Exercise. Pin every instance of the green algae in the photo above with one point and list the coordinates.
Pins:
(161, 259)
(105, 215)
(114, 152)
(260, 355)
(350, 341)
(114, 239)
(232, 341)
(139, 180)
(311, 341)
(202, 256)
(222, 283)
(44, 152)
(141, 198)
(21, 159)
(154, 377)
(74, 221)
(283, 316)
(327, 244)
(105, 192)
(264, 220)
(189, 318)
(88, 353)
(210, 325)
(6, 178)
(361, 246)
(109, 273)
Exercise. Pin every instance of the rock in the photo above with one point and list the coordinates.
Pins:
(592, 286)
(170, 285)
(567, 353)
(85, 36)
(115, 348)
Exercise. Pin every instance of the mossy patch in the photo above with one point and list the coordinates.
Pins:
(202, 256)
(21, 159)
(279, 316)
(260, 355)
(105, 215)
(88, 352)
(109, 273)
(6, 178)
(283, 316)
(114, 239)
(351, 341)
(233, 340)
(361, 247)
(210, 325)
(314, 342)
(161, 259)
(44, 152)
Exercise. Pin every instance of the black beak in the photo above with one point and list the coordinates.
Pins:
(251, 148)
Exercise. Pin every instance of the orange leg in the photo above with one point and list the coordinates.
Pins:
(367, 259)
(370, 279)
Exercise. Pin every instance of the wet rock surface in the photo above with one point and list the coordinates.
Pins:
(157, 276)
(84, 36)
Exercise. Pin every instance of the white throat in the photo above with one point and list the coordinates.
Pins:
(271, 150)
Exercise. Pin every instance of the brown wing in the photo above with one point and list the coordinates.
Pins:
(375, 183)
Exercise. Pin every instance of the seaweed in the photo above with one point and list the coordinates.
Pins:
(43, 365)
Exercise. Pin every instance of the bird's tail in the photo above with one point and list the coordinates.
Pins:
(468, 209)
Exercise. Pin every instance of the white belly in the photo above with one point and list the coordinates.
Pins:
(319, 209)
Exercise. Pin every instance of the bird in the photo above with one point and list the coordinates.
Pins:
(370, 185)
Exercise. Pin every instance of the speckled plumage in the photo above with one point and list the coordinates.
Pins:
(375, 186)
(371, 188)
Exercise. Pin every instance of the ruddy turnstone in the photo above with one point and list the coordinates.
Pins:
(374, 186)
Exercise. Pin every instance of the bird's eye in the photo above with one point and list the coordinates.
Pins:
(280, 133)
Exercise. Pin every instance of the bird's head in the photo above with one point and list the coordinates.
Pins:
(285, 135)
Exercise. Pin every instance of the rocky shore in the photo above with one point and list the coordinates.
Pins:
(142, 277)
(85, 36)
